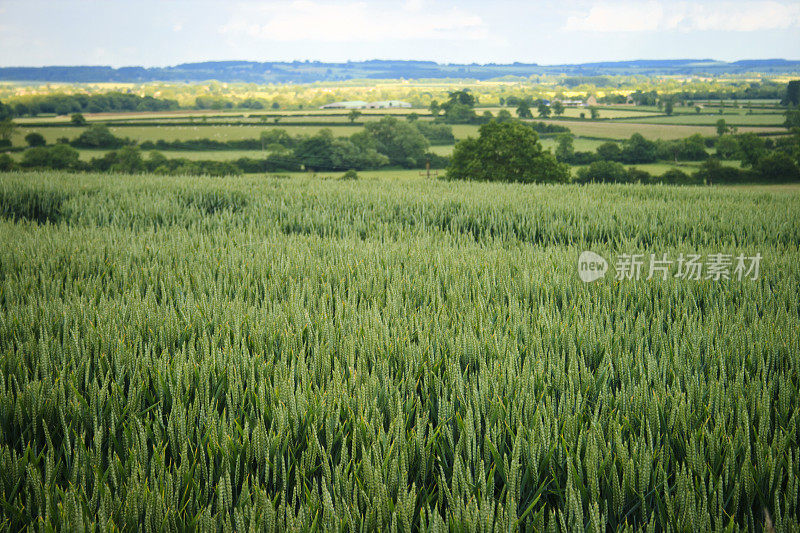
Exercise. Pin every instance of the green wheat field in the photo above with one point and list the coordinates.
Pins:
(300, 353)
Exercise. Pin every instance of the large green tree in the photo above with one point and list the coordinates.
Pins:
(752, 148)
(401, 142)
(7, 129)
(792, 93)
(544, 110)
(508, 151)
(462, 97)
(565, 150)
(35, 139)
(637, 149)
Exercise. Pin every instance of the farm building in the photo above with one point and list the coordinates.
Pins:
(358, 104)
(355, 104)
(572, 103)
(387, 103)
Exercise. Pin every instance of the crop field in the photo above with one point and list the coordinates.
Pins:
(280, 354)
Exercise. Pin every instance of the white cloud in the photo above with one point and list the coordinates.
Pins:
(686, 16)
(308, 20)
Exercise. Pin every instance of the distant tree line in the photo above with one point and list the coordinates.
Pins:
(388, 142)
(636, 150)
(65, 104)
(512, 152)
(762, 160)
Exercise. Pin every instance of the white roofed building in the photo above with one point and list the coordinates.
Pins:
(358, 104)
(354, 104)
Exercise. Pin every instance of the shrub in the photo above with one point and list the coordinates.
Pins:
(676, 176)
(777, 167)
(712, 172)
(98, 136)
(603, 172)
(7, 163)
(637, 149)
(59, 157)
(35, 139)
(609, 151)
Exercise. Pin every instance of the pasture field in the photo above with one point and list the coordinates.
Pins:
(194, 155)
(624, 129)
(580, 144)
(172, 133)
(575, 112)
(183, 114)
(309, 354)
(732, 119)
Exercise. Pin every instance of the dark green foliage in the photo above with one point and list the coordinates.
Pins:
(583, 158)
(565, 150)
(792, 122)
(505, 152)
(637, 149)
(401, 142)
(35, 139)
(5, 111)
(204, 144)
(690, 149)
(676, 176)
(437, 134)
(792, 97)
(727, 147)
(609, 151)
(777, 167)
(603, 172)
(57, 157)
(129, 160)
(65, 104)
(436, 160)
(98, 136)
(461, 97)
(77, 119)
(544, 110)
(323, 151)
(712, 172)
(459, 114)
(7, 163)
(752, 148)
(504, 115)
(637, 175)
(544, 127)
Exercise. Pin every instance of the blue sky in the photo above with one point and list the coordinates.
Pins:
(160, 33)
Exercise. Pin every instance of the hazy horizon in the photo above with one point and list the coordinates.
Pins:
(158, 34)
